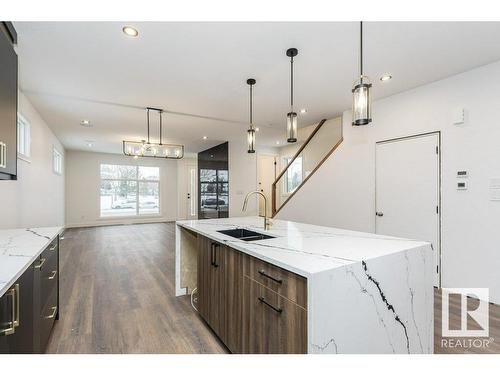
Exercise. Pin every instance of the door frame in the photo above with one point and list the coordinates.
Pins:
(276, 164)
(398, 139)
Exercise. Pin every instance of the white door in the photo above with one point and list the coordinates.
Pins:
(191, 194)
(407, 190)
(266, 174)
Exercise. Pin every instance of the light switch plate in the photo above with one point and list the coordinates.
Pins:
(494, 194)
(458, 116)
(495, 183)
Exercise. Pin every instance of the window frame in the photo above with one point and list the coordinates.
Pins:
(26, 136)
(137, 181)
(57, 156)
(286, 161)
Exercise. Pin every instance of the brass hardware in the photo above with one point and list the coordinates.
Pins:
(52, 277)
(53, 247)
(54, 312)
(40, 265)
(9, 331)
(267, 221)
(16, 318)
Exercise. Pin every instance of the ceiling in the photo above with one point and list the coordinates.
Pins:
(90, 70)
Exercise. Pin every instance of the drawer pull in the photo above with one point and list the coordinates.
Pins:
(52, 277)
(278, 310)
(213, 254)
(40, 265)
(279, 281)
(53, 247)
(15, 311)
(54, 312)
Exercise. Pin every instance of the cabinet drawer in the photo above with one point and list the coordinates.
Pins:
(47, 317)
(283, 282)
(271, 323)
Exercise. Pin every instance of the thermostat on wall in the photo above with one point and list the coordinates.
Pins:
(462, 185)
(462, 174)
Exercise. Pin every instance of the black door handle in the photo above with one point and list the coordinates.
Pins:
(213, 254)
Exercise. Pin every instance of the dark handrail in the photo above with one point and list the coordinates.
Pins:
(299, 151)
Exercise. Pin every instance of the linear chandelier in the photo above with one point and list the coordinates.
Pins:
(150, 149)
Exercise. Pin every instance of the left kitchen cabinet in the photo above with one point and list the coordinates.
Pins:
(30, 306)
(8, 102)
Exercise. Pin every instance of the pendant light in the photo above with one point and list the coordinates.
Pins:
(151, 149)
(361, 92)
(251, 129)
(291, 117)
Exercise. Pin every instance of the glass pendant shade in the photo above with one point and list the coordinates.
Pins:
(361, 102)
(153, 150)
(291, 127)
(251, 140)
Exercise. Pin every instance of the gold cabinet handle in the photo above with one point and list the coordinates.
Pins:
(52, 277)
(40, 265)
(54, 312)
(12, 328)
(53, 247)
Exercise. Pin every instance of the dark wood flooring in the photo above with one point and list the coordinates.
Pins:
(118, 296)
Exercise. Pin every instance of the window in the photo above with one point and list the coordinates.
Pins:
(293, 176)
(56, 161)
(23, 138)
(129, 190)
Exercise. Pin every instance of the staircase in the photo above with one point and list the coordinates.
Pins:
(305, 161)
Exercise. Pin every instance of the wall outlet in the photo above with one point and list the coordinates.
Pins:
(462, 185)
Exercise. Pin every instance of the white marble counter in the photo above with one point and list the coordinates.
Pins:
(19, 248)
(302, 248)
(366, 293)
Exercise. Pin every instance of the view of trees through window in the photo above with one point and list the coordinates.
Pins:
(293, 175)
(128, 190)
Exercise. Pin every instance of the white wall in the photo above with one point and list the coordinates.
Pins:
(242, 179)
(342, 192)
(83, 188)
(36, 198)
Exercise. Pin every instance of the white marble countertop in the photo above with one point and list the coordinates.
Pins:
(19, 248)
(303, 248)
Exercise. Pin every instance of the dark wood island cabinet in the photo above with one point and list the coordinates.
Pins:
(251, 305)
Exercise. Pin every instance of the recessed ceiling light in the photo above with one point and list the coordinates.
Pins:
(86, 123)
(205, 137)
(130, 31)
(257, 129)
(90, 143)
(386, 77)
(277, 142)
(303, 110)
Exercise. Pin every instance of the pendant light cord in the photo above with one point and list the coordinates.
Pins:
(251, 106)
(148, 124)
(361, 51)
(291, 84)
(161, 125)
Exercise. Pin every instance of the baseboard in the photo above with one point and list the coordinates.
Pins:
(117, 222)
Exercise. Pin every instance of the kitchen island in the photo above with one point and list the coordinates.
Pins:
(308, 289)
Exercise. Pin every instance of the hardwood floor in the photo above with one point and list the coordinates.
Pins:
(117, 296)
